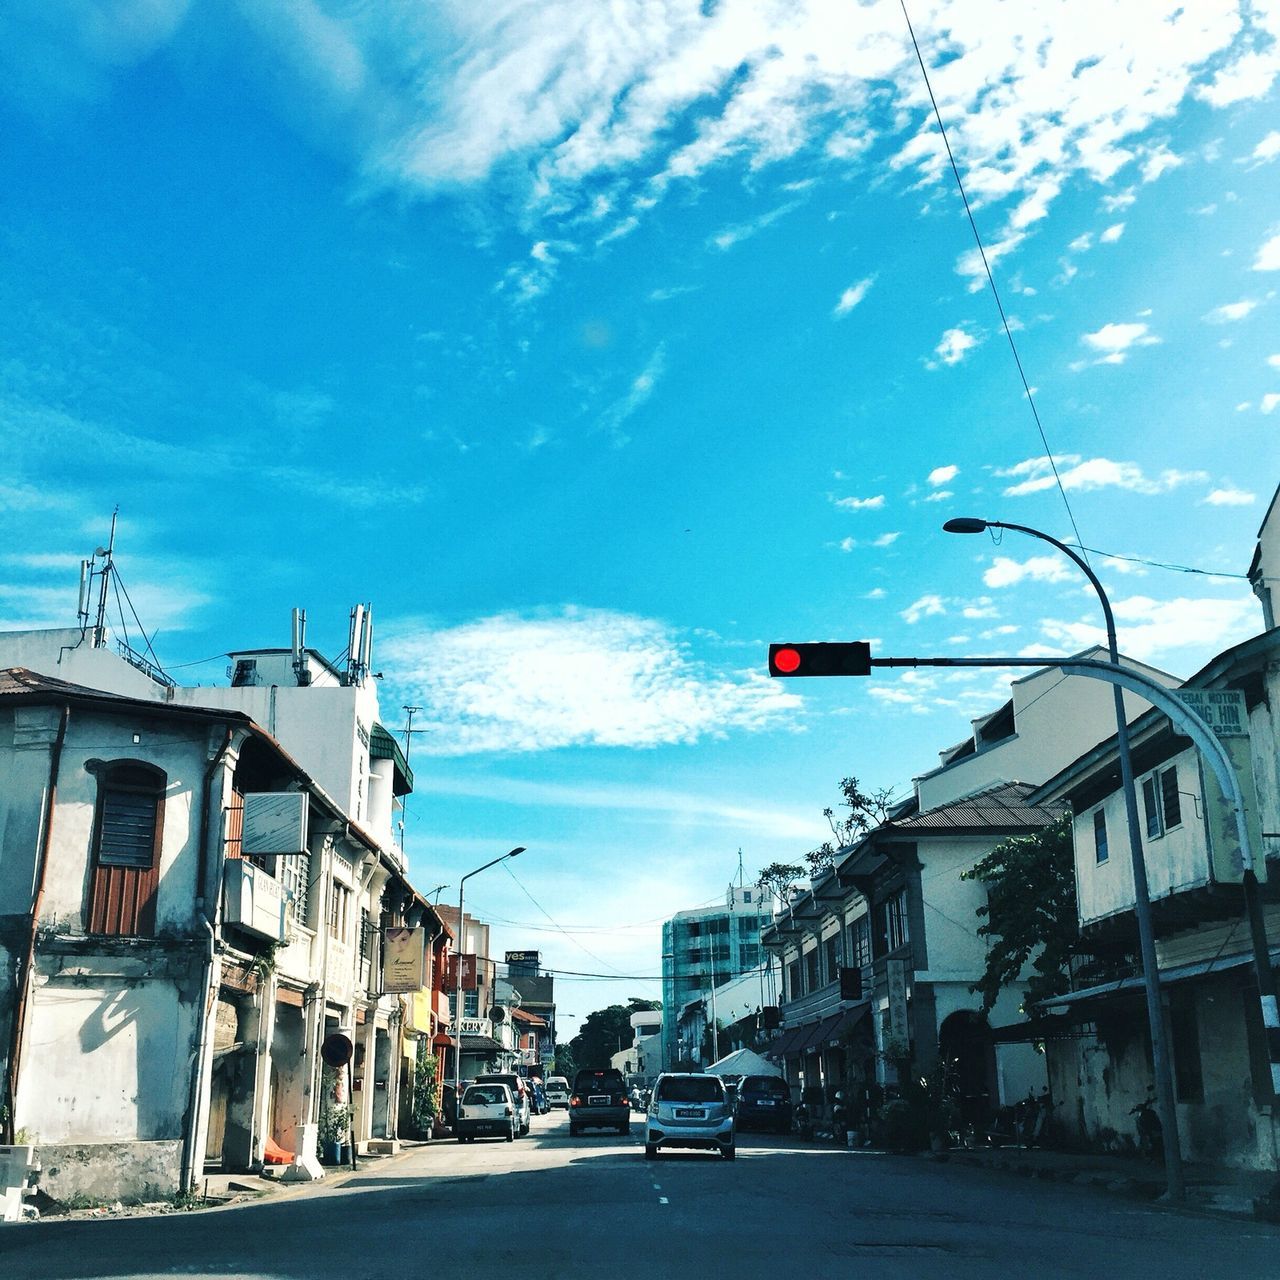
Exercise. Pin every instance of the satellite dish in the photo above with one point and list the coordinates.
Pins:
(497, 1015)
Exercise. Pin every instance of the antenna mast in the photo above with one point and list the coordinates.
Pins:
(104, 577)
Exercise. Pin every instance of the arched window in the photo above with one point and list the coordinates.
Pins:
(127, 832)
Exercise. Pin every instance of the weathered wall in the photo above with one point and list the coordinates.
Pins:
(132, 1172)
(109, 1047)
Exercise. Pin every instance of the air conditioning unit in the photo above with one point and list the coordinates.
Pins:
(253, 900)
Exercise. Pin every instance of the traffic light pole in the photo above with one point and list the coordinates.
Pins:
(792, 660)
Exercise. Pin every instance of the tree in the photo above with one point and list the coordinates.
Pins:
(866, 809)
(606, 1031)
(779, 879)
(1030, 911)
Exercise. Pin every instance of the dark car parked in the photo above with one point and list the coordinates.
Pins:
(764, 1102)
(599, 1101)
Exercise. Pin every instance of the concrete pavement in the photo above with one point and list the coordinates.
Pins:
(592, 1207)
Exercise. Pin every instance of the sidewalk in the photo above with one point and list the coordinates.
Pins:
(1236, 1193)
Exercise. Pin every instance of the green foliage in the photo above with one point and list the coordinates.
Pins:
(566, 1062)
(606, 1031)
(865, 809)
(335, 1122)
(426, 1103)
(1030, 912)
(779, 879)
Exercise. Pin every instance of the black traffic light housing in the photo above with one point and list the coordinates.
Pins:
(843, 658)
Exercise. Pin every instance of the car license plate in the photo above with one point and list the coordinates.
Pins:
(689, 1113)
(766, 1102)
(598, 1100)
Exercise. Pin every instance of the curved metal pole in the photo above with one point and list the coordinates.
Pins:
(1181, 715)
(1162, 1066)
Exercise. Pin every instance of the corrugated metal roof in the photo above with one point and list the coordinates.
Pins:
(1003, 806)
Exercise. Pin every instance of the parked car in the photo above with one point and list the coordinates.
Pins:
(519, 1091)
(557, 1091)
(689, 1110)
(599, 1101)
(764, 1102)
(487, 1110)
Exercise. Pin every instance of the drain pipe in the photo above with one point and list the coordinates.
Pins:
(29, 957)
(206, 994)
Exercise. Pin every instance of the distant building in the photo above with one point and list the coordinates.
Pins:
(705, 948)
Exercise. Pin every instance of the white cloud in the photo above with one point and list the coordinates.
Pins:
(1081, 244)
(861, 504)
(1094, 473)
(925, 607)
(955, 343)
(1230, 311)
(943, 475)
(853, 295)
(1179, 631)
(1274, 361)
(1118, 202)
(579, 677)
(1112, 233)
(885, 540)
(557, 97)
(1230, 498)
(1159, 162)
(1268, 149)
(942, 495)
(731, 236)
(1268, 258)
(641, 388)
(1269, 401)
(876, 593)
(1116, 339)
(1005, 572)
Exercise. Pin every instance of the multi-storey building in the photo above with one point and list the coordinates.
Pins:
(704, 948)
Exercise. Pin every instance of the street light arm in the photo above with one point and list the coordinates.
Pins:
(1085, 568)
(487, 865)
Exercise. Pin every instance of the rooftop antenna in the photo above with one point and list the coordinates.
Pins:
(104, 577)
(301, 668)
(740, 867)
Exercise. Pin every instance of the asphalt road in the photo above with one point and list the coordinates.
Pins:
(592, 1207)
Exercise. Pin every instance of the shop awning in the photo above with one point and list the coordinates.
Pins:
(849, 1018)
(786, 1040)
(819, 1036)
(480, 1044)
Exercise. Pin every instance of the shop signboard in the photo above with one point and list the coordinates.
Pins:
(404, 953)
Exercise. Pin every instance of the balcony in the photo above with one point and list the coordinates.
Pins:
(815, 1004)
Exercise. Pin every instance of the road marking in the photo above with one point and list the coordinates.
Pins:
(657, 1186)
(663, 1200)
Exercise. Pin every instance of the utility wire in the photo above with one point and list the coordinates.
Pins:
(1004, 320)
(544, 911)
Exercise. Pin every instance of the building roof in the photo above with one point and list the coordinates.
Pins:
(382, 746)
(1002, 807)
(531, 1019)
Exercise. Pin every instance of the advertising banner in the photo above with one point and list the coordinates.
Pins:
(468, 962)
(404, 959)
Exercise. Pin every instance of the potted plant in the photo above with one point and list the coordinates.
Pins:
(335, 1125)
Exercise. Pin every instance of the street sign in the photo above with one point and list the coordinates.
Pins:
(336, 1050)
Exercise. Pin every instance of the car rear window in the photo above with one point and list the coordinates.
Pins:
(691, 1089)
(479, 1093)
(764, 1086)
(609, 1081)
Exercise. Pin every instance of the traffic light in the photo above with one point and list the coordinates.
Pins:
(851, 984)
(844, 658)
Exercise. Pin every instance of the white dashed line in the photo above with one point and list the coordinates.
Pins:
(663, 1200)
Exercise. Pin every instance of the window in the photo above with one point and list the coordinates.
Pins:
(1100, 850)
(1170, 800)
(471, 1004)
(1161, 802)
(1151, 806)
(811, 979)
(295, 878)
(795, 984)
(127, 831)
(831, 957)
(895, 921)
(858, 942)
(339, 909)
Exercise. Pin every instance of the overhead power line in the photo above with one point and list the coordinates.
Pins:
(991, 280)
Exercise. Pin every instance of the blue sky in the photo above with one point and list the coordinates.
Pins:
(598, 346)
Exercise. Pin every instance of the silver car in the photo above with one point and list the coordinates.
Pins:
(688, 1110)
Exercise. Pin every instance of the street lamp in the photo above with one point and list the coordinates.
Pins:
(457, 995)
(1142, 899)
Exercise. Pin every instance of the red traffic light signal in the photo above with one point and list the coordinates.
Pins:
(844, 658)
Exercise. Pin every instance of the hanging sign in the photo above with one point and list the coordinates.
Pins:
(403, 959)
